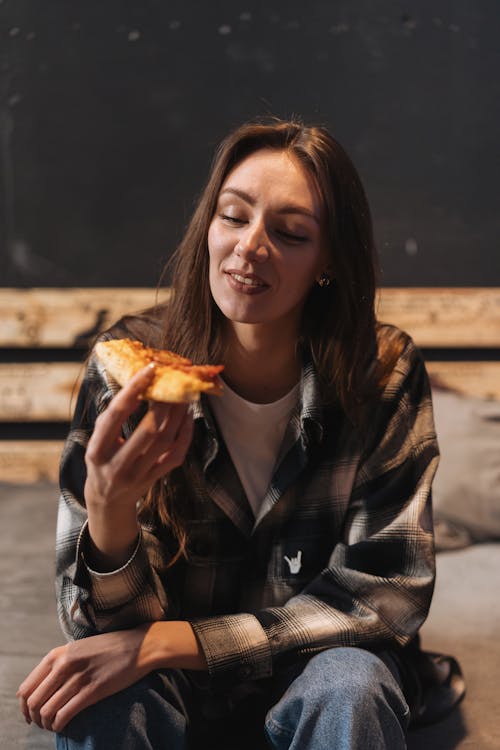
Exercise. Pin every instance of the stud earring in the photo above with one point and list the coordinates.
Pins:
(324, 280)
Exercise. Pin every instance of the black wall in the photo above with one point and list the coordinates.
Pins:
(110, 111)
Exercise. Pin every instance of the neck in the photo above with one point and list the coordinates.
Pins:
(262, 365)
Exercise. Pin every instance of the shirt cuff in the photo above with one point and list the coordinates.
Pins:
(236, 647)
(118, 587)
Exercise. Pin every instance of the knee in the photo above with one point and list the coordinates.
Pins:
(130, 713)
(349, 672)
(339, 694)
(351, 677)
(99, 718)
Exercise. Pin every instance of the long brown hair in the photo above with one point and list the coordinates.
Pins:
(338, 322)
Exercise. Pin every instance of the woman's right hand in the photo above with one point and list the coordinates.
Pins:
(120, 472)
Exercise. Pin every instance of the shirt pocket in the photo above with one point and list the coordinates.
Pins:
(213, 568)
(297, 560)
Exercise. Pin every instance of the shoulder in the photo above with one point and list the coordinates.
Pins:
(401, 409)
(398, 360)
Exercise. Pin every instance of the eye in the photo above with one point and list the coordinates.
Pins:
(232, 219)
(290, 237)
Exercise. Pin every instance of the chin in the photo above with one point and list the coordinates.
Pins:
(245, 319)
(235, 314)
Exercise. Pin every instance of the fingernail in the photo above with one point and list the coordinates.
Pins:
(147, 370)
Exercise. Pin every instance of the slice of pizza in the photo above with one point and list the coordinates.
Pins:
(175, 380)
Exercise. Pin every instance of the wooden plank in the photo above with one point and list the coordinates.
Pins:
(65, 317)
(37, 392)
(478, 379)
(442, 317)
(27, 461)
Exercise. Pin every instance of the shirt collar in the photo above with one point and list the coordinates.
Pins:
(310, 403)
(310, 413)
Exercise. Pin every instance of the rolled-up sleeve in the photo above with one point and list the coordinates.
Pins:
(235, 646)
(90, 602)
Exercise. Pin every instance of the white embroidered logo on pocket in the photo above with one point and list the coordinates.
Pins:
(294, 563)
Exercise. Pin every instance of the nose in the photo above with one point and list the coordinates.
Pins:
(253, 245)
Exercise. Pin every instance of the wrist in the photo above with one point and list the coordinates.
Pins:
(172, 645)
(112, 540)
(113, 532)
(103, 557)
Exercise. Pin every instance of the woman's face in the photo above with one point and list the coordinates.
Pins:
(265, 240)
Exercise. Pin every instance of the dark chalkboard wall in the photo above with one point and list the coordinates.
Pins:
(110, 112)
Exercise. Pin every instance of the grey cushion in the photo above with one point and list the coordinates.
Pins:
(466, 490)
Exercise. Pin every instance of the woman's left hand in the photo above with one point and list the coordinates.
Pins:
(79, 674)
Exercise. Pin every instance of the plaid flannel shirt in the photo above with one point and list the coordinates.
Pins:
(341, 553)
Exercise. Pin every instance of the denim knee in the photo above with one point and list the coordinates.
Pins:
(350, 672)
(339, 690)
(144, 716)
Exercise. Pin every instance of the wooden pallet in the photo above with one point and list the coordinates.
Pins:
(45, 333)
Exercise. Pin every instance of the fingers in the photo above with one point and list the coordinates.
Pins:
(122, 470)
(71, 702)
(31, 683)
(56, 689)
(42, 697)
(56, 700)
(108, 426)
(174, 456)
(63, 704)
(164, 432)
(156, 434)
(74, 676)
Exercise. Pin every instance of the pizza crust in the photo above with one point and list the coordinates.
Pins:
(175, 380)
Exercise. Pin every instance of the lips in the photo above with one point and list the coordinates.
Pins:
(248, 281)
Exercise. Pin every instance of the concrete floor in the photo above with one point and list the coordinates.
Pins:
(464, 621)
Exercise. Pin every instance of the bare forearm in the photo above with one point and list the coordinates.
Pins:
(103, 665)
(173, 645)
(113, 533)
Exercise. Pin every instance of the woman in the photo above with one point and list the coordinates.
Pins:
(253, 567)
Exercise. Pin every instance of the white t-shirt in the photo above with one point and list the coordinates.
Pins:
(253, 434)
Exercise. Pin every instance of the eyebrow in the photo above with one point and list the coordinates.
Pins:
(291, 208)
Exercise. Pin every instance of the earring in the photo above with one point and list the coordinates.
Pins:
(324, 280)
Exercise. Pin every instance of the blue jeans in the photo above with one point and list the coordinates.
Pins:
(343, 699)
